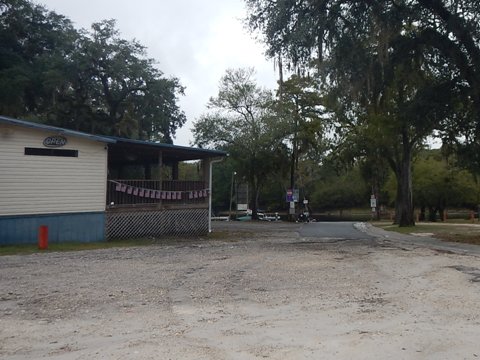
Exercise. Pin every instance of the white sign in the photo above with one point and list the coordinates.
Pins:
(296, 195)
(373, 202)
(242, 207)
(305, 201)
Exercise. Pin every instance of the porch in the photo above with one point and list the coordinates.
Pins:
(157, 203)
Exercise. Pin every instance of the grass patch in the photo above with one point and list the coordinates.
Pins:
(72, 246)
(452, 231)
(117, 243)
(460, 237)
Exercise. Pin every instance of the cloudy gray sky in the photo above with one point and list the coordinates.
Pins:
(193, 40)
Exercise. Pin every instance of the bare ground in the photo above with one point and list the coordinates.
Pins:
(260, 292)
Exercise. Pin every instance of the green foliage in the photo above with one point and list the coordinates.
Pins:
(438, 184)
(300, 110)
(241, 121)
(91, 81)
(438, 38)
(33, 42)
(340, 191)
(189, 171)
(301, 107)
(222, 182)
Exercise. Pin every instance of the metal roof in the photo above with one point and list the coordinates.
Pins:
(118, 144)
(181, 153)
(32, 125)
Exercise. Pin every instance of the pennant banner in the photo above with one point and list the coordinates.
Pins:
(158, 194)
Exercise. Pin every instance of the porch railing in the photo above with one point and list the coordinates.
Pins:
(124, 193)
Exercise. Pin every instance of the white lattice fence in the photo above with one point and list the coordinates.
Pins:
(156, 223)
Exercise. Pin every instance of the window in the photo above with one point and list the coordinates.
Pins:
(51, 152)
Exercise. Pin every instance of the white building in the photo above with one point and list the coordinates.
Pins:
(60, 178)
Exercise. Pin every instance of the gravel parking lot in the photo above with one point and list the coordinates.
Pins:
(254, 291)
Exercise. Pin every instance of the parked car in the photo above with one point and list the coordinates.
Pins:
(265, 217)
(261, 216)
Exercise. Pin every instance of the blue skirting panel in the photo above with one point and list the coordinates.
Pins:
(79, 227)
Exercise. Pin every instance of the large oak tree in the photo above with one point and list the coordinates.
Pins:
(395, 70)
(93, 81)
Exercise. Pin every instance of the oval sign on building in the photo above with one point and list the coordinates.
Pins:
(55, 141)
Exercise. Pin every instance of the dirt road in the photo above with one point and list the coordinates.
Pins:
(255, 292)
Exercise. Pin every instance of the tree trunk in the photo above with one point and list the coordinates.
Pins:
(293, 167)
(404, 202)
(422, 213)
(398, 199)
(441, 213)
(292, 171)
(253, 185)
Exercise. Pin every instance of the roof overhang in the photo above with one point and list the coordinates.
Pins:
(54, 129)
(124, 151)
(128, 151)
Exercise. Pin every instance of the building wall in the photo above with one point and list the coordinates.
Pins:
(67, 194)
(48, 184)
(77, 227)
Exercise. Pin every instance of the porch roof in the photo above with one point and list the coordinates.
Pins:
(124, 151)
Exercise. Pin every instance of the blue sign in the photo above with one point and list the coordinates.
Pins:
(293, 195)
(289, 195)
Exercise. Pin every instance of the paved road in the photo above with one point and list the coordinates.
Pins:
(356, 232)
(341, 231)
(333, 231)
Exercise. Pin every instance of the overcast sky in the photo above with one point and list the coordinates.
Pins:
(193, 40)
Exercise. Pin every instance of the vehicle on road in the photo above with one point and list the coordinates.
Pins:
(261, 216)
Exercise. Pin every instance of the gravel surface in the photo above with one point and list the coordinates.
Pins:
(255, 291)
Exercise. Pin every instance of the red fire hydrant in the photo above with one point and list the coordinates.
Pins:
(43, 237)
